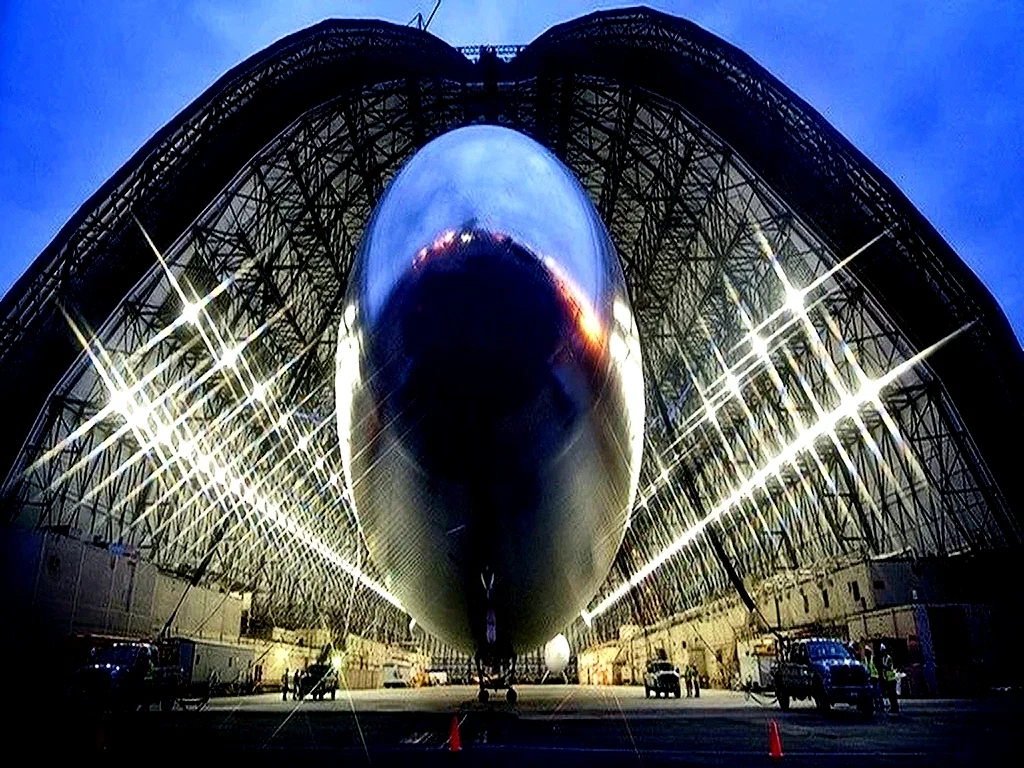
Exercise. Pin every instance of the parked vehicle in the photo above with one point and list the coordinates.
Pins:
(824, 670)
(126, 676)
(661, 678)
(133, 674)
(216, 668)
(397, 674)
(318, 681)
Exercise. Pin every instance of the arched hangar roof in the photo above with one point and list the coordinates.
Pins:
(785, 151)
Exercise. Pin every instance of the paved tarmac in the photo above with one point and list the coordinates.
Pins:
(567, 725)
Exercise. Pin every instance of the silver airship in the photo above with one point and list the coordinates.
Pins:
(490, 394)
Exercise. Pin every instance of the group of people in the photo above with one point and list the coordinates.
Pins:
(692, 679)
(883, 677)
(296, 678)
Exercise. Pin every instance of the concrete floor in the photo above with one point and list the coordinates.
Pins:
(565, 724)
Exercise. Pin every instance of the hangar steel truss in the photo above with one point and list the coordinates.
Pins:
(802, 410)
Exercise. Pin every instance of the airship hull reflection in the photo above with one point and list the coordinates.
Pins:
(489, 392)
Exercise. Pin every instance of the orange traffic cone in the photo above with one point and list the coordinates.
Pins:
(454, 742)
(774, 742)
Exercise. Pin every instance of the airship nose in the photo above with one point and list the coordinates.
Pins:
(488, 428)
(480, 357)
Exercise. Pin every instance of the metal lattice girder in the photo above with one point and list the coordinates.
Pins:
(787, 296)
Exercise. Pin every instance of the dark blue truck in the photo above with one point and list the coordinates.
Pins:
(823, 670)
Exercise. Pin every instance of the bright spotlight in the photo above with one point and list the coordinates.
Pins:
(164, 434)
(137, 419)
(759, 345)
(120, 401)
(190, 313)
(794, 300)
(733, 383)
(709, 412)
(229, 358)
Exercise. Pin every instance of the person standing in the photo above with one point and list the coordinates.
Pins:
(284, 686)
(889, 681)
(696, 681)
(689, 681)
(296, 681)
(876, 692)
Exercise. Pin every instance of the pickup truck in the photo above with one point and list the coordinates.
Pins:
(824, 670)
(318, 681)
(126, 676)
(661, 678)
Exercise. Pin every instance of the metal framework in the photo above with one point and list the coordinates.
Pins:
(826, 379)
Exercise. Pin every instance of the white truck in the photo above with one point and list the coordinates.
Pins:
(437, 677)
(662, 679)
(397, 674)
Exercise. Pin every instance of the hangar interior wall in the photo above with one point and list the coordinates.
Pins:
(58, 585)
(941, 620)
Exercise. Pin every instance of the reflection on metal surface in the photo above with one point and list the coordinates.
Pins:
(490, 392)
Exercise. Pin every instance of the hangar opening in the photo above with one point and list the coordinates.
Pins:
(829, 389)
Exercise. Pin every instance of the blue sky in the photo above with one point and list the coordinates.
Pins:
(932, 92)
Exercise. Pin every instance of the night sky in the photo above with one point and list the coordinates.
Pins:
(932, 92)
